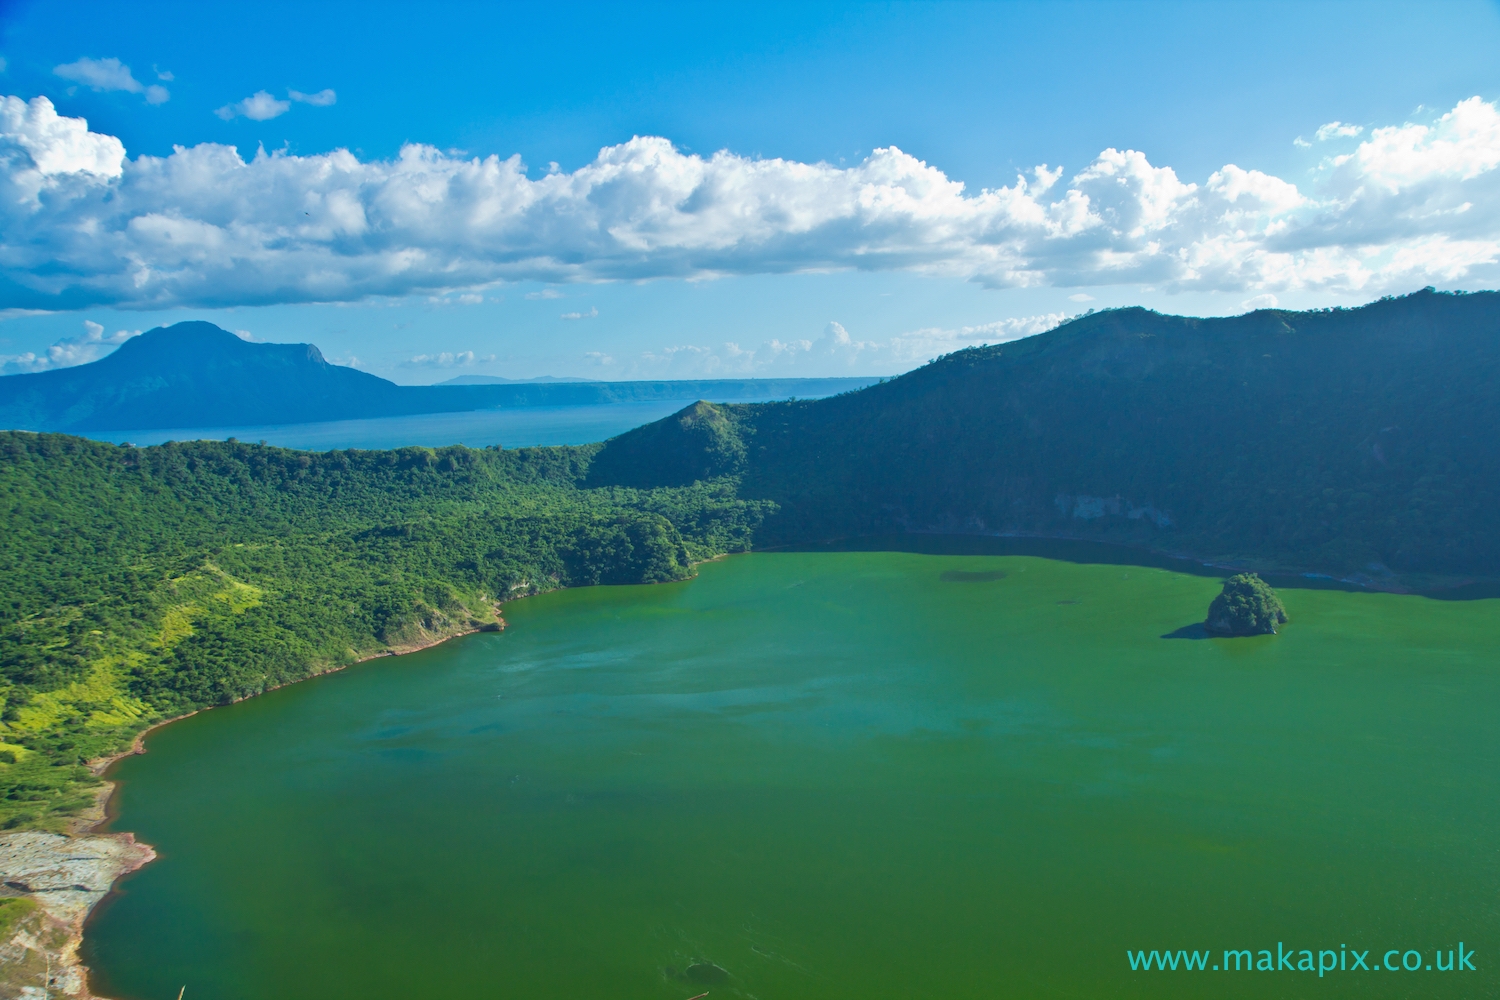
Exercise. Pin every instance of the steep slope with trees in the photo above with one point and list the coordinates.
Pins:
(1350, 442)
(143, 583)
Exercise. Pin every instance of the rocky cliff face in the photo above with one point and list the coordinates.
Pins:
(56, 880)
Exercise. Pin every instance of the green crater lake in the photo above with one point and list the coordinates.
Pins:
(830, 775)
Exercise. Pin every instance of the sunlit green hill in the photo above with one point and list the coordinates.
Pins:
(139, 584)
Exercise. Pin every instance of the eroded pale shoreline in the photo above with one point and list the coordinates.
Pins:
(66, 876)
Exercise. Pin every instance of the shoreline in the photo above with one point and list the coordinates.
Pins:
(98, 815)
(63, 921)
(64, 910)
(1436, 586)
(68, 875)
(64, 878)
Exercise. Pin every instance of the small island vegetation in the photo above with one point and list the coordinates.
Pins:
(1246, 606)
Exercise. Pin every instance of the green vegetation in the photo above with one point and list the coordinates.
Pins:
(701, 442)
(1246, 606)
(141, 584)
(14, 910)
(1352, 442)
(27, 961)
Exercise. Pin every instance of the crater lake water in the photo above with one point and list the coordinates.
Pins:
(836, 775)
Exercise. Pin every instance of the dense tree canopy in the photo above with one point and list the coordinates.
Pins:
(1246, 606)
(142, 583)
(1353, 442)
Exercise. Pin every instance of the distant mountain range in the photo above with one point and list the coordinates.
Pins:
(197, 375)
(1361, 442)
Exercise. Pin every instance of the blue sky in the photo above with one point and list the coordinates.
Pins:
(1363, 139)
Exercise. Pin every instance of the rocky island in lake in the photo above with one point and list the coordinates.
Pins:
(1246, 606)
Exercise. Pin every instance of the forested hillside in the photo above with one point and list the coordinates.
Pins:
(1357, 442)
(143, 583)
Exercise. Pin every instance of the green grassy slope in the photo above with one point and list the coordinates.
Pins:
(143, 583)
(1340, 441)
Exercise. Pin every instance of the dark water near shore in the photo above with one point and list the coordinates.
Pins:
(845, 774)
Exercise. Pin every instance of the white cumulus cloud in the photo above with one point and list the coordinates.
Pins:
(111, 74)
(321, 99)
(835, 352)
(81, 224)
(1462, 145)
(41, 150)
(447, 359)
(67, 352)
(1338, 130)
(259, 107)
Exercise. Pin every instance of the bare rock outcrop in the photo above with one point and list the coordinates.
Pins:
(65, 877)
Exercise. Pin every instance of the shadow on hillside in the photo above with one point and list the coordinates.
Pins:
(1193, 631)
(1062, 549)
(1484, 591)
(1105, 553)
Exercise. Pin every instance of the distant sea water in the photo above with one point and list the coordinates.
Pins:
(522, 427)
